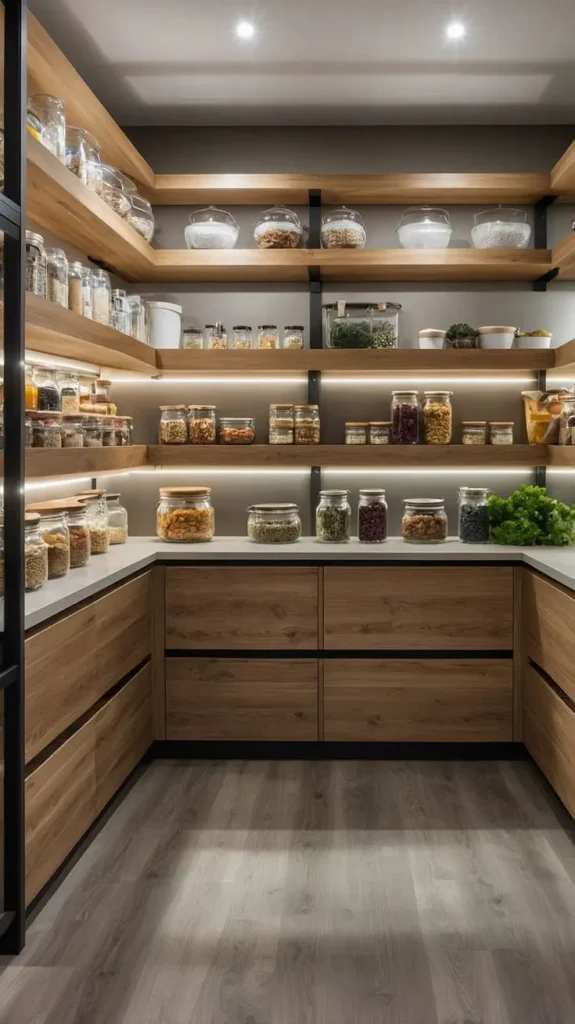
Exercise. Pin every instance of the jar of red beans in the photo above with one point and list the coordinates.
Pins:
(404, 417)
(372, 517)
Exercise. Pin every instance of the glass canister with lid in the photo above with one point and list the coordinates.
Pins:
(57, 277)
(501, 228)
(119, 311)
(437, 417)
(117, 520)
(211, 228)
(192, 338)
(380, 432)
(46, 381)
(46, 429)
(216, 336)
(35, 264)
(333, 517)
(97, 517)
(343, 229)
(293, 337)
(372, 516)
(202, 424)
(355, 432)
(111, 186)
(281, 424)
(35, 553)
(80, 285)
(278, 228)
(424, 521)
(307, 427)
(424, 227)
(140, 216)
(55, 534)
(123, 426)
(268, 337)
(173, 424)
(69, 394)
(237, 430)
(501, 432)
(404, 417)
(241, 336)
(474, 432)
(101, 297)
(185, 515)
(51, 112)
(79, 145)
(357, 325)
(473, 515)
(79, 536)
(72, 431)
(270, 523)
(93, 433)
(108, 431)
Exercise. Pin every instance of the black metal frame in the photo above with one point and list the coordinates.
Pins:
(540, 239)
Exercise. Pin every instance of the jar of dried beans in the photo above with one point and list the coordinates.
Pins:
(437, 417)
(202, 424)
(372, 517)
(405, 417)
(185, 515)
(306, 424)
(424, 521)
(473, 515)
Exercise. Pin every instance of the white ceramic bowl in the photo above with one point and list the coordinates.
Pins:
(431, 338)
(534, 341)
(496, 337)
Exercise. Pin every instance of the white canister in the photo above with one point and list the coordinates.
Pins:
(165, 320)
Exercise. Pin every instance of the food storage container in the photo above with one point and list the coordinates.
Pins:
(192, 338)
(117, 520)
(55, 534)
(109, 431)
(97, 518)
(46, 429)
(372, 516)
(93, 433)
(278, 228)
(30, 390)
(202, 424)
(69, 394)
(431, 338)
(138, 317)
(185, 515)
(80, 284)
(241, 336)
(306, 424)
(50, 111)
(533, 339)
(215, 336)
(165, 319)
(237, 430)
(404, 417)
(424, 227)
(501, 433)
(473, 515)
(437, 417)
(108, 183)
(119, 311)
(57, 277)
(34, 127)
(211, 228)
(46, 381)
(343, 229)
(72, 432)
(28, 431)
(361, 325)
(101, 297)
(380, 432)
(35, 264)
(173, 424)
(566, 420)
(281, 424)
(474, 432)
(97, 494)
(274, 523)
(123, 425)
(496, 337)
(1, 159)
(79, 148)
(35, 553)
(100, 390)
(139, 215)
(268, 337)
(355, 433)
(424, 521)
(79, 535)
(542, 414)
(293, 337)
(333, 517)
(501, 228)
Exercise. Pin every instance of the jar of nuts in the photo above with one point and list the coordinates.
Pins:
(424, 521)
(173, 424)
(236, 430)
(437, 417)
(202, 424)
(35, 553)
(306, 424)
(185, 515)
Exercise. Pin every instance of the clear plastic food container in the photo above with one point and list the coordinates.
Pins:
(140, 216)
(437, 417)
(202, 424)
(278, 228)
(307, 426)
(293, 337)
(356, 433)
(501, 228)
(51, 112)
(424, 227)
(242, 336)
(57, 277)
(211, 228)
(404, 417)
(424, 521)
(173, 424)
(361, 324)
(274, 523)
(185, 515)
(268, 337)
(237, 430)
(343, 229)
(333, 517)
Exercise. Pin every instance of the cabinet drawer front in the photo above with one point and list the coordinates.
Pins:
(549, 734)
(123, 732)
(549, 630)
(241, 699)
(241, 608)
(418, 608)
(395, 700)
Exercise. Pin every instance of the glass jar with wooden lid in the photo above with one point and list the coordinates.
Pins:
(54, 531)
(185, 515)
(35, 553)
(355, 433)
(474, 432)
(501, 432)
(380, 432)
(306, 424)
(173, 424)
(202, 424)
(97, 516)
(281, 424)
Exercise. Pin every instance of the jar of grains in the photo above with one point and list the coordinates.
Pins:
(236, 430)
(46, 429)
(72, 432)
(293, 337)
(117, 520)
(202, 424)
(92, 430)
(57, 277)
(306, 424)
(35, 553)
(215, 336)
(119, 311)
(30, 391)
(501, 433)
(281, 424)
(437, 417)
(101, 297)
(474, 432)
(109, 431)
(268, 337)
(333, 517)
(356, 433)
(380, 432)
(173, 424)
(54, 531)
(70, 394)
(372, 517)
(35, 264)
(274, 523)
(46, 381)
(424, 521)
(97, 516)
(242, 336)
(185, 515)
(473, 515)
(50, 111)
(192, 338)
(79, 537)
(77, 152)
(123, 431)
(80, 283)
(404, 417)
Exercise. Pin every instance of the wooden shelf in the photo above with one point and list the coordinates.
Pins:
(563, 257)
(45, 462)
(561, 456)
(563, 174)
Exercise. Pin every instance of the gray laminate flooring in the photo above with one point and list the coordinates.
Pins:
(312, 893)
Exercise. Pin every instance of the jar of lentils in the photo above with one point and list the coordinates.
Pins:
(274, 523)
(405, 417)
(173, 424)
(380, 432)
(372, 516)
(35, 264)
(501, 433)
(474, 432)
(437, 417)
(306, 424)
(473, 515)
(202, 424)
(424, 521)
(356, 433)
(333, 517)
(57, 277)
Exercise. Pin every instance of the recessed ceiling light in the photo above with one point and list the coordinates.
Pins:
(455, 30)
(244, 30)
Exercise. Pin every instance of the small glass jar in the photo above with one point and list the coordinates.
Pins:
(236, 430)
(35, 264)
(54, 531)
(293, 337)
(372, 516)
(473, 515)
(404, 417)
(117, 520)
(280, 435)
(78, 152)
(108, 431)
(101, 297)
(80, 294)
(35, 553)
(356, 433)
(51, 112)
(424, 521)
(185, 515)
(242, 336)
(45, 380)
(437, 417)
(69, 394)
(333, 517)
(173, 424)
(138, 318)
(140, 216)
(100, 391)
(274, 523)
(97, 517)
(192, 338)
(380, 432)
(211, 228)
(501, 433)
(30, 391)
(46, 429)
(278, 228)
(202, 424)
(306, 424)
(119, 311)
(282, 416)
(93, 437)
(474, 432)
(268, 337)
(72, 432)
(123, 431)
(79, 537)
(343, 229)
(57, 277)
(215, 336)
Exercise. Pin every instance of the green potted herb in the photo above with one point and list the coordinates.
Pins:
(461, 336)
(530, 517)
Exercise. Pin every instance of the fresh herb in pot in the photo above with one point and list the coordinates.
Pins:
(530, 517)
(461, 336)
(351, 334)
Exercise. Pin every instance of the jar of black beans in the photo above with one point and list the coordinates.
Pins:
(473, 515)
(372, 517)
(405, 417)
(48, 390)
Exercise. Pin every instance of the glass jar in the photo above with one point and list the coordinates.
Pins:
(215, 336)
(202, 424)
(235, 430)
(46, 429)
(1, 552)
(278, 228)
(268, 337)
(51, 112)
(122, 426)
(101, 297)
(281, 416)
(35, 553)
(72, 432)
(343, 229)
(28, 431)
(54, 531)
(30, 390)
(380, 432)
(501, 228)
(57, 277)
(93, 437)
(109, 184)
(192, 338)
(109, 431)
(100, 390)
(80, 285)
(274, 523)
(565, 418)
(119, 311)
(35, 264)
(424, 521)
(211, 228)
(474, 432)
(424, 227)
(117, 520)
(173, 424)
(473, 515)
(357, 325)
(34, 127)
(372, 516)
(48, 391)
(69, 394)
(185, 515)
(306, 424)
(241, 336)
(356, 433)
(78, 152)
(138, 318)
(404, 417)
(437, 417)
(97, 517)
(333, 517)
(501, 433)
(293, 337)
(79, 537)
(141, 217)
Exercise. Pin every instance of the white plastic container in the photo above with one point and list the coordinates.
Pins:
(431, 338)
(496, 337)
(424, 227)
(165, 320)
(534, 341)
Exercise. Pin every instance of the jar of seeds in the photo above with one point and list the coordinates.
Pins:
(306, 424)
(473, 515)
(333, 517)
(202, 424)
(35, 553)
(101, 297)
(57, 277)
(355, 433)
(437, 417)
(380, 432)
(274, 523)
(173, 424)
(35, 264)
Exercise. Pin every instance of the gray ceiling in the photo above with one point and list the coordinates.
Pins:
(321, 61)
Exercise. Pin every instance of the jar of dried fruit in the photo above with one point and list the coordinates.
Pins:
(437, 417)
(173, 424)
(35, 553)
(424, 521)
(306, 424)
(202, 424)
(185, 515)
(404, 417)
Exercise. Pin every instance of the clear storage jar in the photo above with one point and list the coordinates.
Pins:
(236, 430)
(28, 431)
(46, 429)
(78, 149)
(79, 537)
(474, 432)
(372, 516)
(46, 382)
(192, 338)
(117, 520)
(268, 337)
(35, 264)
(333, 517)
(101, 297)
(140, 216)
(57, 277)
(404, 417)
(343, 229)
(69, 394)
(281, 424)
(80, 285)
(173, 424)
(34, 127)
(357, 325)
(424, 227)
(30, 390)
(211, 228)
(93, 434)
(501, 228)
(100, 391)
(54, 531)
(355, 433)
(119, 311)
(51, 112)
(123, 427)
(307, 427)
(274, 523)
(242, 336)
(185, 515)
(501, 433)
(293, 337)
(109, 431)
(216, 337)
(278, 228)
(473, 515)
(380, 432)
(424, 521)
(109, 184)
(437, 417)
(72, 432)
(97, 517)
(35, 553)
(202, 424)
(138, 318)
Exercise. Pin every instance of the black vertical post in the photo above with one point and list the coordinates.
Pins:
(541, 471)
(540, 239)
(315, 296)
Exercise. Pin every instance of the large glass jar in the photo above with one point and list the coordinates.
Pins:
(109, 184)
(424, 521)
(268, 337)
(109, 431)
(185, 515)
(72, 432)
(46, 429)
(424, 227)
(93, 436)
(278, 228)
(50, 110)
(216, 337)
(501, 228)
(35, 553)
(140, 216)
(192, 338)
(437, 417)
(79, 537)
(123, 426)
(380, 432)
(57, 277)
(69, 394)
(343, 229)
(101, 297)
(474, 432)
(211, 228)
(30, 391)
(333, 517)
(306, 424)
(138, 318)
(35, 264)
(173, 424)
(45, 380)
(361, 324)
(473, 515)
(80, 285)
(236, 430)
(372, 516)
(78, 148)
(274, 523)
(120, 311)
(293, 337)
(97, 516)
(355, 433)
(202, 424)
(242, 336)
(404, 417)
(55, 533)
(117, 520)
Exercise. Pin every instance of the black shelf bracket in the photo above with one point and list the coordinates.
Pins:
(314, 273)
(540, 238)
(541, 471)
(540, 283)
(314, 489)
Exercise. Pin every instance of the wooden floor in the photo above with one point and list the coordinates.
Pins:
(312, 893)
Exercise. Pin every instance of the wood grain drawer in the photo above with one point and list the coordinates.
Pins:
(549, 734)
(73, 662)
(418, 608)
(549, 629)
(241, 608)
(241, 699)
(123, 732)
(405, 700)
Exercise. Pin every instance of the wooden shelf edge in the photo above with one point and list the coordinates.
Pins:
(41, 462)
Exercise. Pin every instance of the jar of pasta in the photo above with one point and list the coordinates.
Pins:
(437, 417)
(185, 515)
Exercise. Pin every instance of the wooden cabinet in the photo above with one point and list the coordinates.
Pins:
(418, 608)
(549, 629)
(239, 608)
(426, 700)
(241, 699)
(549, 734)
(123, 732)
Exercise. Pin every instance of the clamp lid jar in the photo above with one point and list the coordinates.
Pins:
(274, 523)
(333, 517)
(424, 521)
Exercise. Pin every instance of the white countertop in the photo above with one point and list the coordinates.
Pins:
(140, 552)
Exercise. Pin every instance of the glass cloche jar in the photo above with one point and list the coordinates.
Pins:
(211, 228)
(343, 229)
(278, 228)
(140, 216)
(424, 227)
(501, 228)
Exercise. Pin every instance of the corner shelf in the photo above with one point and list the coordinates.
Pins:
(45, 462)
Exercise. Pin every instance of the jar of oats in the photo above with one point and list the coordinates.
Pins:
(173, 424)
(185, 515)
(202, 424)
(437, 417)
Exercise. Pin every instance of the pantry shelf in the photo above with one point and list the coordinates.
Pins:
(563, 257)
(42, 462)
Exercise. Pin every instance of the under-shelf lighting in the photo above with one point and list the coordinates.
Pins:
(48, 482)
(220, 472)
(302, 379)
(328, 379)
(419, 472)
